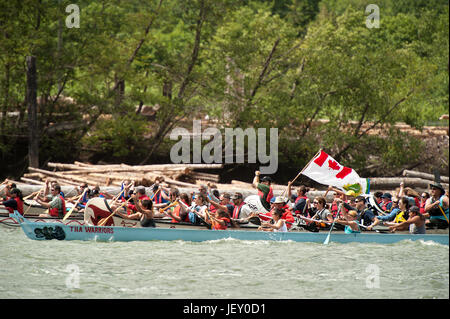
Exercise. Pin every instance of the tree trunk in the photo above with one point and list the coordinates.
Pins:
(33, 128)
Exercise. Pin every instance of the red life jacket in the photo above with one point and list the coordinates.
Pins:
(55, 212)
(297, 200)
(218, 226)
(269, 195)
(237, 211)
(19, 206)
(287, 216)
(158, 199)
(422, 207)
(212, 209)
(384, 207)
(334, 209)
(132, 208)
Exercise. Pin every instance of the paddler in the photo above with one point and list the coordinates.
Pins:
(322, 214)
(436, 207)
(139, 196)
(9, 186)
(159, 194)
(82, 190)
(301, 201)
(224, 204)
(280, 203)
(415, 222)
(15, 202)
(219, 220)
(178, 214)
(349, 220)
(144, 212)
(264, 188)
(57, 205)
(279, 224)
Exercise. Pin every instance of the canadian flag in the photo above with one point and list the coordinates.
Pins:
(326, 170)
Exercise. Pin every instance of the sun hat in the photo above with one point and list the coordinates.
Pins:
(279, 200)
(438, 186)
(386, 195)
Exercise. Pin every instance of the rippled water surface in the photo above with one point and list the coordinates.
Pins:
(220, 269)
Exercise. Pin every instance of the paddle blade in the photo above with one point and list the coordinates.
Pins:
(327, 240)
(68, 214)
(255, 220)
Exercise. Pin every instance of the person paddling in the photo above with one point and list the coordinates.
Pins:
(218, 222)
(437, 207)
(144, 212)
(415, 222)
(265, 191)
(57, 206)
(279, 224)
(15, 202)
(178, 214)
(349, 220)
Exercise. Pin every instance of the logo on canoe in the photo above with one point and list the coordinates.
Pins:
(50, 233)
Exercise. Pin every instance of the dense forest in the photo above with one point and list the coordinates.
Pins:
(115, 77)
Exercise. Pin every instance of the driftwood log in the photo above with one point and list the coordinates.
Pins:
(394, 182)
(408, 173)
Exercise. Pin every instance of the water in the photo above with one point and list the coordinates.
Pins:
(223, 269)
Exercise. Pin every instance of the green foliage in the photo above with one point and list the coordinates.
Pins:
(119, 137)
(253, 63)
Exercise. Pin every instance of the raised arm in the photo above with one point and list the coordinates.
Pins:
(218, 205)
(256, 180)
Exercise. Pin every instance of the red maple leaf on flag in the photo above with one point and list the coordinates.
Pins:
(333, 165)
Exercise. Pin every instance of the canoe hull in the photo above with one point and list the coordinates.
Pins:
(40, 231)
(7, 220)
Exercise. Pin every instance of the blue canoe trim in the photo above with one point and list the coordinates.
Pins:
(40, 231)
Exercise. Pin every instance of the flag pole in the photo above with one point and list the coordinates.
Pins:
(301, 172)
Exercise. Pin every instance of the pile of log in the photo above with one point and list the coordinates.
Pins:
(416, 180)
(186, 175)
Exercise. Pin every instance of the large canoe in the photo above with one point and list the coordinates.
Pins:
(6, 219)
(47, 231)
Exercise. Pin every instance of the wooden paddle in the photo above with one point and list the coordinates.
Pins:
(75, 205)
(314, 220)
(213, 221)
(163, 210)
(442, 211)
(35, 193)
(31, 195)
(117, 197)
(255, 220)
(103, 222)
(327, 240)
(186, 207)
(159, 189)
